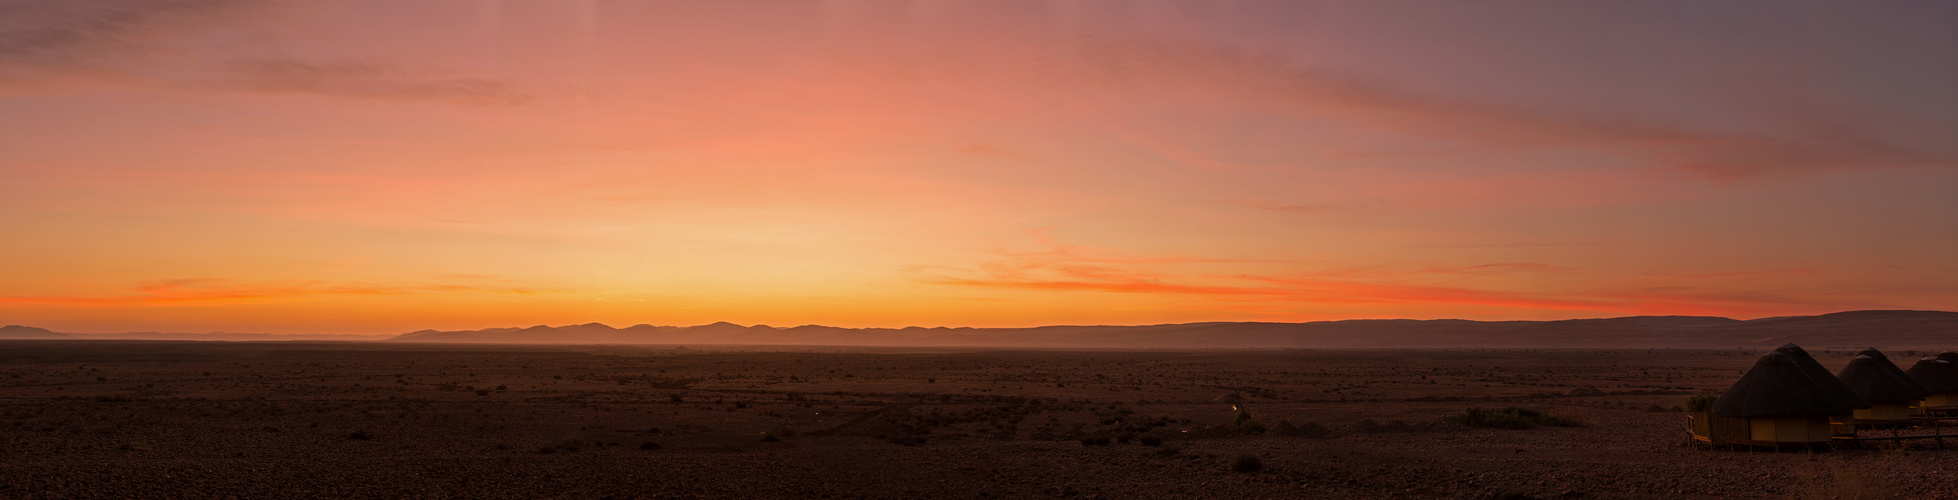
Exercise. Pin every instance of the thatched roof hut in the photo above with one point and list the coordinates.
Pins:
(1777, 402)
(1891, 392)
(1828, 381)
(1936, 375)
(1940, 378)
(1879, 360)
(1777, 385)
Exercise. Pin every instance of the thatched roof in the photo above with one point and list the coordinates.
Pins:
(1892, 365)
(1822, 376)
(1936, 375)
(1948, 356)
(1877, 380)
(1777, 385)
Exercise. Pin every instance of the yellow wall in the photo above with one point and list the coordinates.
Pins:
(1889, 410)
(1790, 429)
(1942, 399)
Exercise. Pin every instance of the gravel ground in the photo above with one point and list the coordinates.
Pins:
(225, 420)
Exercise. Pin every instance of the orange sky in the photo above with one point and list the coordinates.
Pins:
(379, 167)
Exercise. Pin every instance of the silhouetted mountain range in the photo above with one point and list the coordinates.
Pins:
(1844, 329)
(1929, 329)
(28, 332)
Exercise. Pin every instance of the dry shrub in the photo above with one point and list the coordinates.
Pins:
(1512, 418)
(1308, 429)
(1247, 463)
(783, 430)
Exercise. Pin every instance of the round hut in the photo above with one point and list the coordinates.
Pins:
(1777, 402)
(1894, 397)
(1846, 424)
(1940, 378)
(1822, 376)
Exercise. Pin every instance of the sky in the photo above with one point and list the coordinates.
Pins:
(370, 167)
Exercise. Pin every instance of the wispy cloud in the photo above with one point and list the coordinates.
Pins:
(42, 36)
(214, 291)
(1357, 207)
(1065, 269)
(119, 41)
(352, 77)
(1802, 141)
(1766, 273)
(1500, 267)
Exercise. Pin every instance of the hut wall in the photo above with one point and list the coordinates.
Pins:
(1714, 426)
(1942, 399)
(1842, 425)
(1888, 410)
(1790, 429)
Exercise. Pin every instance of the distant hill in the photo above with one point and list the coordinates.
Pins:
(28, 332)
(1846, 329)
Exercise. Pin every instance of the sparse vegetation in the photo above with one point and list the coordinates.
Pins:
(780, 431)
(295, 406)
(1512, 418)
(1371, 427)
(1246, 424)
(1308, 429)
(573, 444)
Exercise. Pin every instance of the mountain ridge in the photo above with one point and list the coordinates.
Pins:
(1875, 327)
(1882, 328)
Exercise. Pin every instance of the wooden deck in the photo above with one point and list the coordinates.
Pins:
(1898, 430)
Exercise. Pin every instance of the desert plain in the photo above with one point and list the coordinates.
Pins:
(171, 419)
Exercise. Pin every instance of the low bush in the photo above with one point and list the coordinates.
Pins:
(779, 431)
(1247, 424)
(1371, 427)
(1247, 463)
(1700, 402)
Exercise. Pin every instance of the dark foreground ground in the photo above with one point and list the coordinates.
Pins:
(111, 419)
